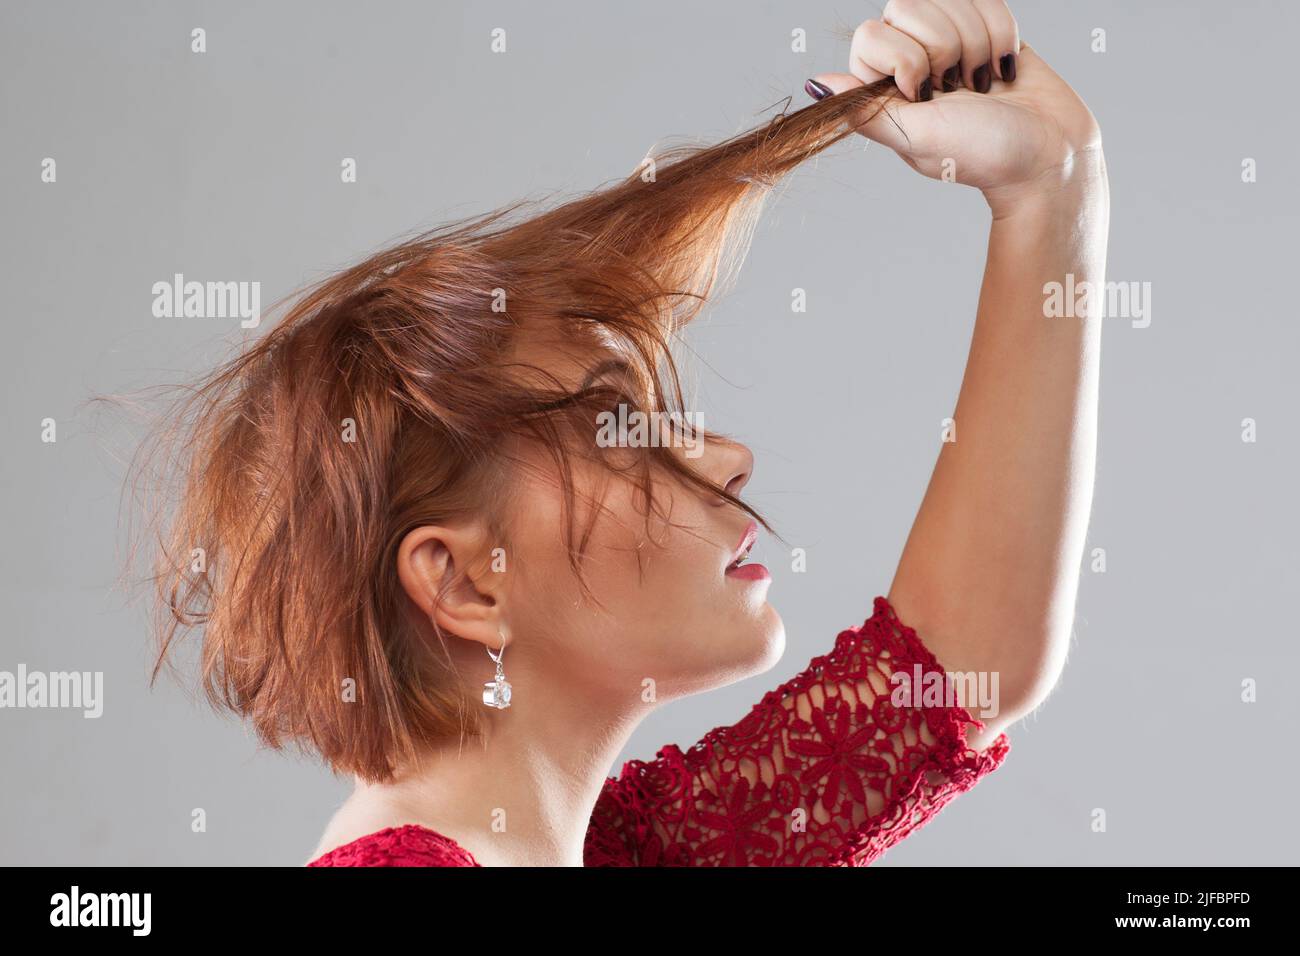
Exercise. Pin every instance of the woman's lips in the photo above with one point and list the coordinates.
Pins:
(746, 572)
(749, 572)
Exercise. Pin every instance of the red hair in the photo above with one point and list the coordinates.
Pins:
(299, 527)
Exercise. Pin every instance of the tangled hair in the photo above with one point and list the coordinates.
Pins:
(281, 536)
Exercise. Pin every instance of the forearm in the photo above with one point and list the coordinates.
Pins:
(991, 566)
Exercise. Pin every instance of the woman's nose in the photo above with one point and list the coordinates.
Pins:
(735, 464)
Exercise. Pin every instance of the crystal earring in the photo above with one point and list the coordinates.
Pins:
(496, 693)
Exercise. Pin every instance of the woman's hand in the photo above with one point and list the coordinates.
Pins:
(981, 107)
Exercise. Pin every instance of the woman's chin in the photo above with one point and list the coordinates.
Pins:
(769, 640)
(753, 649)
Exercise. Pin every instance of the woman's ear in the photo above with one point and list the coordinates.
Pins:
(435, 565)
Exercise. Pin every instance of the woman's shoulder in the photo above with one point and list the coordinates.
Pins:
(409, 845)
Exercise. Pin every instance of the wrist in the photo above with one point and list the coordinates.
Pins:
(1078, 185)
(1061, 225)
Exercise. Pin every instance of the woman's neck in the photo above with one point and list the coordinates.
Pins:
(522, 795)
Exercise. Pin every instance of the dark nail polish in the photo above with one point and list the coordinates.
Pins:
(1008, 64)
(818, 91)
(951, 77)
(983, 78)
(925, 91)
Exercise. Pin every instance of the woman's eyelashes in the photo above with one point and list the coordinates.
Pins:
(613, 400)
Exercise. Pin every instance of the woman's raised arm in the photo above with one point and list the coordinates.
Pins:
(990, 570)
(989, 573)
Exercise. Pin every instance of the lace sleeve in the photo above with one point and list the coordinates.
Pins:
(823, 771)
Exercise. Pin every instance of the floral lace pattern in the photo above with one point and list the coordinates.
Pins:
(823, 771)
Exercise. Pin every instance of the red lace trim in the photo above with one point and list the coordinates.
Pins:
(410, 845)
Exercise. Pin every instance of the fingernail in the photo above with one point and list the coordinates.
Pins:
(925, 91)
(983, 78)
(1008, 64)
(951, 77)
(818, 91)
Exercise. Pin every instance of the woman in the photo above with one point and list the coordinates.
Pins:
(415, 552)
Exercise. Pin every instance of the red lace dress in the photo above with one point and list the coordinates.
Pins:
(824, 771)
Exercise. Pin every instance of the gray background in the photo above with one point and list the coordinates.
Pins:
(226, 166)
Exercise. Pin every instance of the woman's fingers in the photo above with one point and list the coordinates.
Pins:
(929, 26)
(880, 50)
(924, 43)
(1004, 36)
(976, 48)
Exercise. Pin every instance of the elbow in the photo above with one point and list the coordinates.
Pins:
(1027, 680)
(1012, 646)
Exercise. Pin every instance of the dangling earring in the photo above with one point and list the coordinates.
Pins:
(496, 693)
